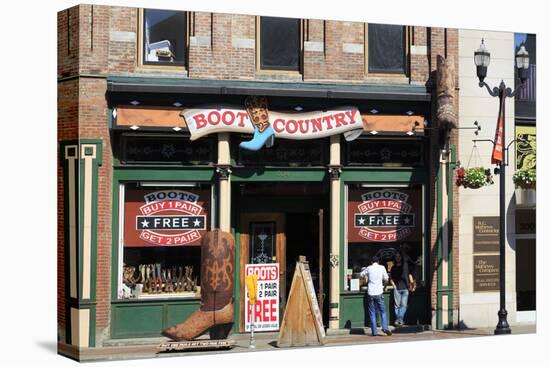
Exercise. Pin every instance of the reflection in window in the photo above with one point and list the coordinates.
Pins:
(164, 37)
(386, 49)
(279, 43)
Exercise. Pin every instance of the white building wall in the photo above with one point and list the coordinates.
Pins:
(480, 309)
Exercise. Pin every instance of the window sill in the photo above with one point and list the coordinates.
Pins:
(148, 70)
(279, 75)
(387, 79)
(159, 298)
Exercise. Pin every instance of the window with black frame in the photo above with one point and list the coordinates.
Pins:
(164, 37)
(279, 43)
(387, 49)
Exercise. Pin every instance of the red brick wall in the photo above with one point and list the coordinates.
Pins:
(218, 59)
(67, 42)
(419, 64)
(93, 125)
(332, 63)
(445, 42)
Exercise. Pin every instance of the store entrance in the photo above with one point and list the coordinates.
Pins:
(278, 222)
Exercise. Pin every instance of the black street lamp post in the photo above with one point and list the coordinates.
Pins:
(482, 58)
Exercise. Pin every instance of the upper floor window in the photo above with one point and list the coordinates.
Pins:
(386, 49)
(279, 43)
(164, 37)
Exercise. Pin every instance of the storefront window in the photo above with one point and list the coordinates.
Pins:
(382, 221)
(386, 49)
(279, 43)
(292, 153)
(164, 37)
(161, 228)
(162, 149)
(385, 153)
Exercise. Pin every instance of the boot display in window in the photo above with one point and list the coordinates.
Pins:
(216, 309)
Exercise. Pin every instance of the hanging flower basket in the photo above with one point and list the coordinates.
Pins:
(525, 178)
(526, 182)
(474, 178)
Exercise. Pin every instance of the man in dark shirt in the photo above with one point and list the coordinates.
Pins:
(402, 281)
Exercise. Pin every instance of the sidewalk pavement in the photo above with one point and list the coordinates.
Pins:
(118, 349)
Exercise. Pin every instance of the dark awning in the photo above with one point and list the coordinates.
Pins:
(119, 84)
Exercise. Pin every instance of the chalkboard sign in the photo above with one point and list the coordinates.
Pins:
(302, 322)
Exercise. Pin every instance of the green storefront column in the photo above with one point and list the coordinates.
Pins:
(80, 160)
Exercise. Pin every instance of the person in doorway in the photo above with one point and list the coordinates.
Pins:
(376, 277)
(402, 282)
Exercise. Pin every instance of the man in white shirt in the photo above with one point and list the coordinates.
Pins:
(376, 276)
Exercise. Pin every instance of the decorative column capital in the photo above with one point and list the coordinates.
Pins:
(223, 171)
(334, 171)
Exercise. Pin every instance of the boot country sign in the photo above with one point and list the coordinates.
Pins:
(165, 217)
(300, 126)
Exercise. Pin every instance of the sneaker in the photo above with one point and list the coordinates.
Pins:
(387, 332)
(398, 323)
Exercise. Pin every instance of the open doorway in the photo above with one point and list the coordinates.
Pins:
(293, 221)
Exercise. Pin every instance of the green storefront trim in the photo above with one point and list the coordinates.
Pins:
(354, 309)
(353, 306)
(276, 174)
(449, 289)
(81, 302)
(142, 319)
(147, 318)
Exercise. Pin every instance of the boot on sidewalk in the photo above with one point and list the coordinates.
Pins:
(216, 310)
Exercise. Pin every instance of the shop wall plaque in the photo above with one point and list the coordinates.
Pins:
(486, 273)
(486, 234)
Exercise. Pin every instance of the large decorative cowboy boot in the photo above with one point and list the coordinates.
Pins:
(216, 309)
(256, 107)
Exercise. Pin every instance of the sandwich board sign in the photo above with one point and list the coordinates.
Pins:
(266, 307)
(302, 322)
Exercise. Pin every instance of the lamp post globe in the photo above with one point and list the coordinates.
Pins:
(522, 63)
(482, 59)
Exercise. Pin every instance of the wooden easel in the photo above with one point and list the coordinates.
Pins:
(302, 322)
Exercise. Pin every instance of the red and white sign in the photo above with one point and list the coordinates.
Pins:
(496, 156)
(306, 125)
(384, 215)
(267, 303)
(164, 218)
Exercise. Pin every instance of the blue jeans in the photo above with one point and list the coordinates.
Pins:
(376, 303)
(401, 298)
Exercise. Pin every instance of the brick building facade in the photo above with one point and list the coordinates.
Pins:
(99, 46)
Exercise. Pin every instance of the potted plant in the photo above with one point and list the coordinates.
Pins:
(526, 181)
(474, 178)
